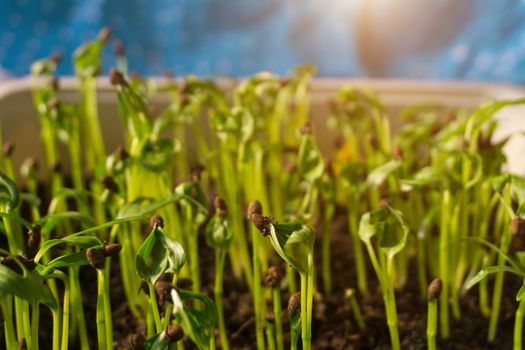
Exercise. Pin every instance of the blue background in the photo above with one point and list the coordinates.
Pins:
(422, 39)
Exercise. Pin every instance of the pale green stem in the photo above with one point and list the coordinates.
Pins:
(432, 324)
(35, 318)
(518, 325)
(100, 316)
(444, 255)
(154, 307)
(9, 335)
(257, 293)
(277, 312)
(220, 257)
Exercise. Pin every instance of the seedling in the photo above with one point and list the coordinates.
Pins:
(156, 256)
(219, 236)
(440, 170)
(272, 280)
(380, 223)
(356, 310)
(294, 242)
(434, 289)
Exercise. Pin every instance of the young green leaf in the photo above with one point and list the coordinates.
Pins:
(28, 287)
(487, 271)
(521, 293)
(218, 233)
(138, 207)
(194, 200)
(293, 242)
(51, 221)
(425, 177)
(157, 255)
(8, 185)
(198, 324)
(380, 174)
(309, 160)
(68, 260)
(83, 242)
(157, 155)
(387, 242)
(88, 58)
(372, 224)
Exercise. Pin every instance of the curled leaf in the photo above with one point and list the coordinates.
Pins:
(198, 324)
(309, 160)
(293, 242)
(8, 185)
(157, 255)
(218, 233)
(28, 287)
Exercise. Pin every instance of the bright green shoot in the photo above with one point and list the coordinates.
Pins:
(156, 256)
(383, 223)
(434, 289)
(294, 242)
(198, 324)
(219, 236)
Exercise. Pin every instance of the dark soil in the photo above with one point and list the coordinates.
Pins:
(333, 324)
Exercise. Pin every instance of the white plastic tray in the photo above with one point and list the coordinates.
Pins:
(20, 124)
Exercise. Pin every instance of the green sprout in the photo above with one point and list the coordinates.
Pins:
(272, 280)
(439, 167)
(294, 242)
(156, 256)
(354, 306)
(294, 315)
(381, 224)
(219, 236)
(434, 289)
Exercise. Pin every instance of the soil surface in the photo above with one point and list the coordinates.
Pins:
(333, 323)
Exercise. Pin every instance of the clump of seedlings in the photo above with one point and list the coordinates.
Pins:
(122, 248)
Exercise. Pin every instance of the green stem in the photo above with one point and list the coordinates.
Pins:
(444, 266)
(387, 287)
(23, 327)
(432, 324)
(220, 256)
(499, 278)
(150, 323)
(353, 224)
(327, 273)
(304, 326)
(9, 330)
(356, 310)
(483, 291)
(169, 308)
(93, 133)
(518, 325)
(294, 336)
(309, 301)
(257, 293)
(154, 307)
(107, 306)
(35, 318)
(27, 324)
(56, 328)
(77, 308)
(100, 316)
(306, 304)
(232, 196)
(194, 258)
(277, 312)
(391, 312)
(498, 290)
(65, 316)
(270, 336)
(290, 278)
